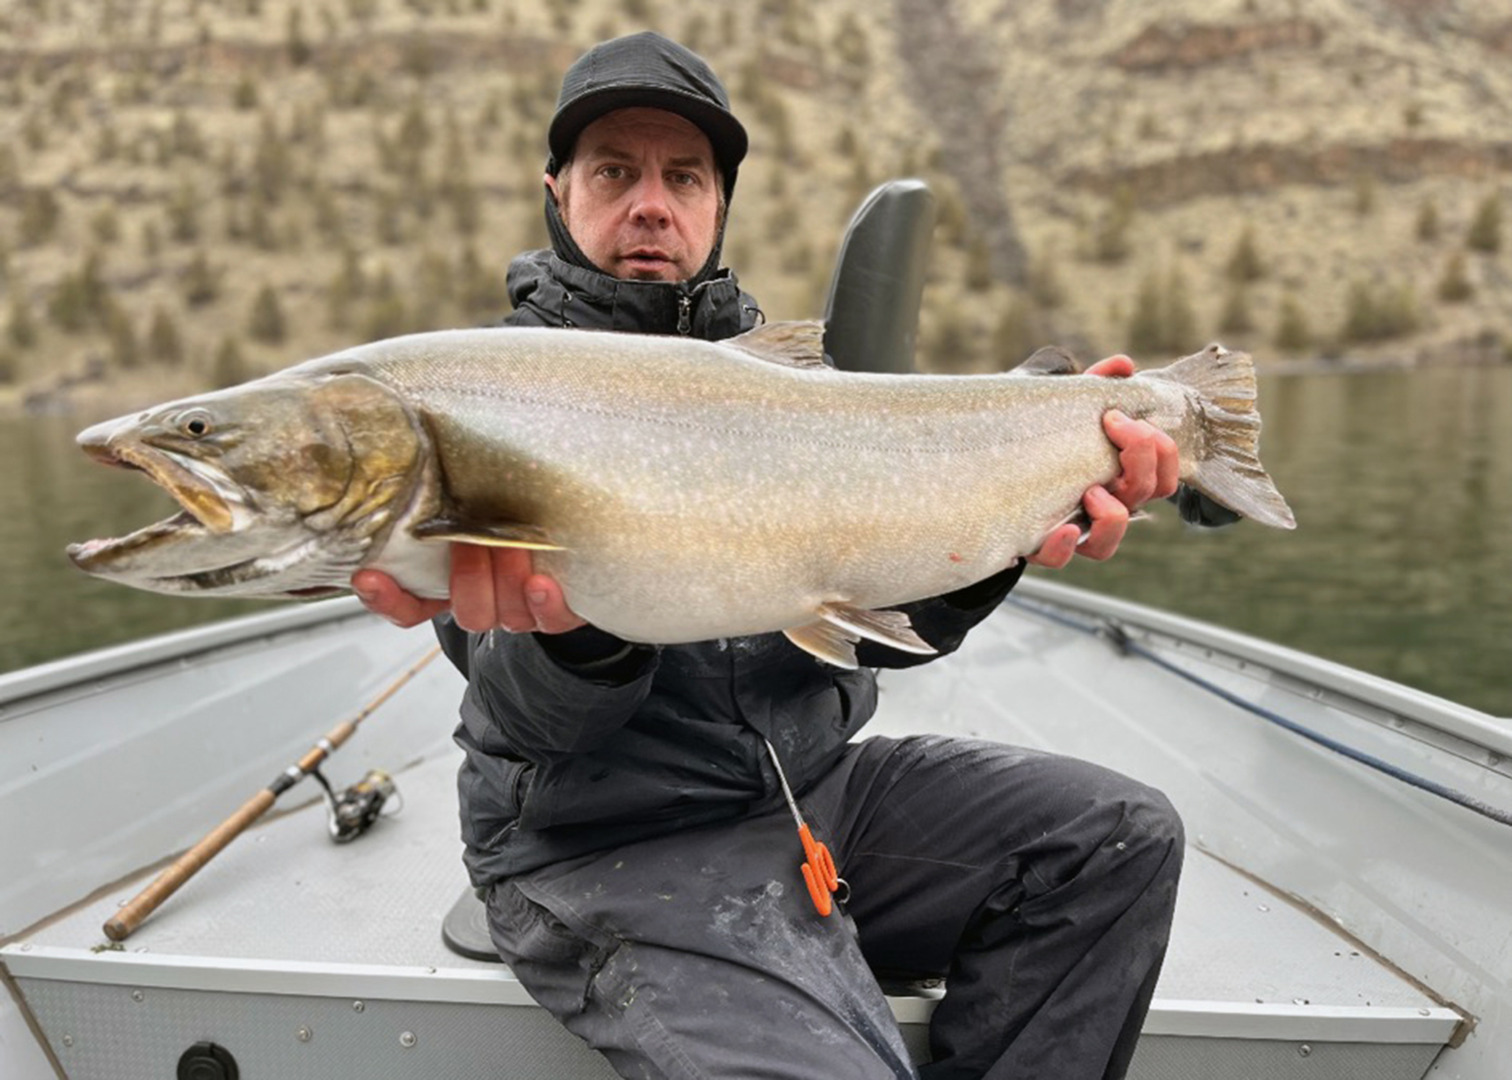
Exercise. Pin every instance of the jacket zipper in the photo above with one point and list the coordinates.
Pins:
(684, 314)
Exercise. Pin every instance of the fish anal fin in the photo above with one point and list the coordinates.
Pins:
(826, 641)
(798, 344)
(505, 534)
(890, 628)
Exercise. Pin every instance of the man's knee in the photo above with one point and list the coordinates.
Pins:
(1156, 817)
(1158, 831)
(1121, 830)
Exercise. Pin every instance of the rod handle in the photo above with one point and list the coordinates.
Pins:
(135, 912)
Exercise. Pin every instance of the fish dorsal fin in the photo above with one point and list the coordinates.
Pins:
(833, 637)
(503, 534)
(798, 344)
(1049, 360)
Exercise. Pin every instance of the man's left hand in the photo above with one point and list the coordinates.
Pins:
(1149, 469)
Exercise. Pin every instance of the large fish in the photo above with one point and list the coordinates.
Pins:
(680, 490)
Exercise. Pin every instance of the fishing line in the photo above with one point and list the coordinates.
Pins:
(1121, 640)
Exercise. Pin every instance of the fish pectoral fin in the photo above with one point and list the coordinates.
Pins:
(798, 343)
(512, 535)
(826, 641)
(890, 628)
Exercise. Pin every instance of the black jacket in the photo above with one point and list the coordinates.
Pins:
(579, 741)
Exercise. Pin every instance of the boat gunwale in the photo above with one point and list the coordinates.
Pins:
(1490, 733)
(57, 675)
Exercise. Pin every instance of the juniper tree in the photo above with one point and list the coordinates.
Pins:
(229, 366)
(1485, 227)
(1454, 284)
(1292, 331)
(1244, 265)
(21, 327)
(266, 321)
(1013, 338)
(41, 214)
(1235, 318)
(121, 334)
(164, 345)
(1427, 226)
(386, 314)
(1110, 242)
(201, 281)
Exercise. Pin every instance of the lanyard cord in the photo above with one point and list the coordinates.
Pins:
(787, 790)
(818, 865)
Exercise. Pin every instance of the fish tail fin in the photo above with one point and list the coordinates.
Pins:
(1229, 471)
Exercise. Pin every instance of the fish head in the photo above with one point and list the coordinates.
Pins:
(283, 485)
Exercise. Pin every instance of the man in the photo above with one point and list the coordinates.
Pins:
(622, 804)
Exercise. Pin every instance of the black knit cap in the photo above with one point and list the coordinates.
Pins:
(649, 70)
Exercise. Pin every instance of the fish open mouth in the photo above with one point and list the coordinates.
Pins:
(90, 553)
(218, 543)
(204, 509)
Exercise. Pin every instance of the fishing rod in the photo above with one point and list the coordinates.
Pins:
(132, 915)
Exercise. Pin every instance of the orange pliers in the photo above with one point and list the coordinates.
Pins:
(818, 864)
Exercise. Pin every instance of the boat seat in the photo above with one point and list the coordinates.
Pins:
(465, 932)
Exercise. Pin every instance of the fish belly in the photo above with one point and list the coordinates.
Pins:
(747, 542)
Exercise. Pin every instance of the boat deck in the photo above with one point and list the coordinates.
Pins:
(310, 959)
(289, 931)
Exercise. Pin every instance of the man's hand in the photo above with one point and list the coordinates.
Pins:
(1149, 470)
(491, 588)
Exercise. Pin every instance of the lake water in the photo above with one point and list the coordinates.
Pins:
(1401, 564)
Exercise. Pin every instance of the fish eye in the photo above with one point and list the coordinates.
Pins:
(195, 423)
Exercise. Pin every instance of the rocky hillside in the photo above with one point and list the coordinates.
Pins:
(192, 191)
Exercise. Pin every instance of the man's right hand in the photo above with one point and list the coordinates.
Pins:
(491, 589)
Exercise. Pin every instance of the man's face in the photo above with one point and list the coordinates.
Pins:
(641, 195)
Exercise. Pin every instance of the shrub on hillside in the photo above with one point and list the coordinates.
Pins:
(1162, 321)
(78, 300)
(1110, 241)
(1245, 265)
(1485, 228)
(1427, 227)
(1454, 285)
(41, 214)
(201, 282)
(1292, 331)
(1379, 312)
(1015, 336)
(164, 344)
(266, 323)
(21, 328)
(229, 366)
(1235, 317)
(125, 353)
